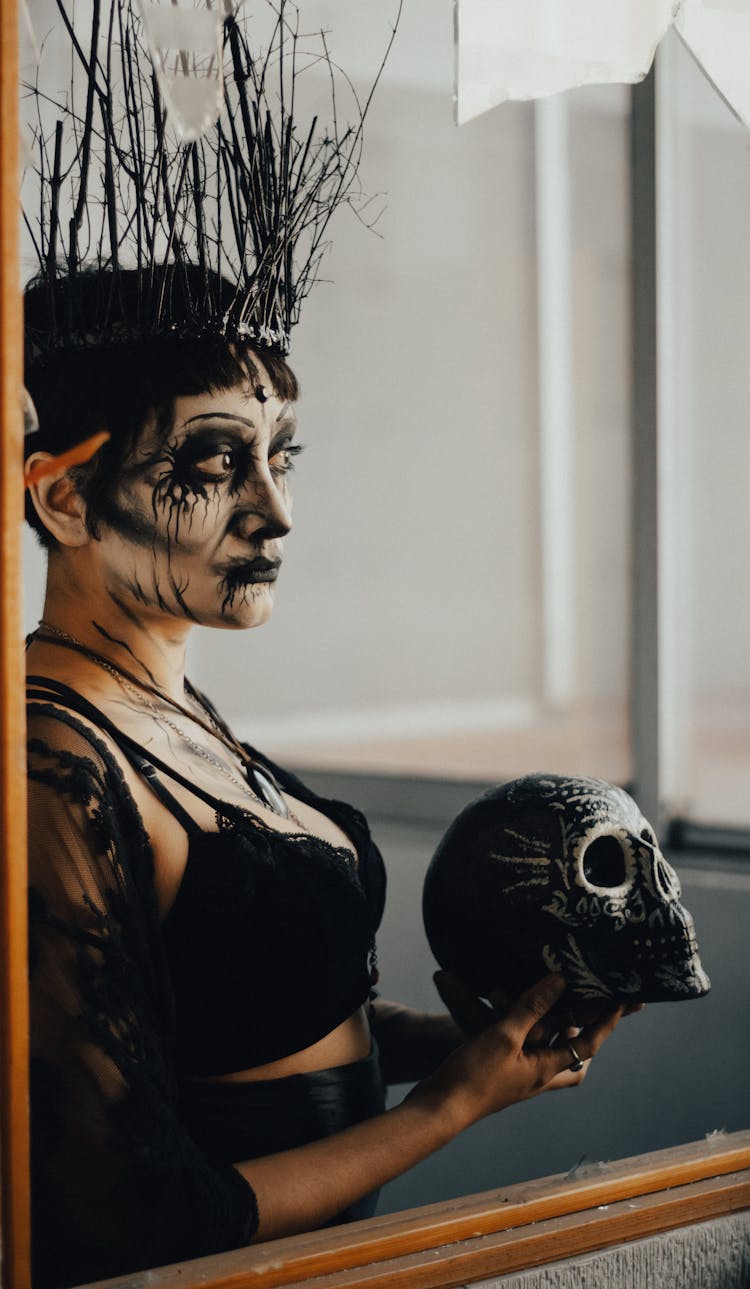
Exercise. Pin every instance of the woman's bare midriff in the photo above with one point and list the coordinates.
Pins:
(348, 1043)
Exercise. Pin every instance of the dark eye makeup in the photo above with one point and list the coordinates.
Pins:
(282, 457)
(219, 461)
(213, 457)
(210, 458)
(219, 464)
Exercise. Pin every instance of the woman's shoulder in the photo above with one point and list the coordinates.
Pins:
(80, 799)
(65, 721)
(71, 749)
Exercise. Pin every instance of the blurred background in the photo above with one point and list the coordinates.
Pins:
(458, 600)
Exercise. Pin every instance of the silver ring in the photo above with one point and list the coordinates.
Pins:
(576, 1064)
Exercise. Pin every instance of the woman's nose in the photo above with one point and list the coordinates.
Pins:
(278, 508)
(269, 513)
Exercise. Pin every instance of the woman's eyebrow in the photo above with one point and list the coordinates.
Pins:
(219, 416)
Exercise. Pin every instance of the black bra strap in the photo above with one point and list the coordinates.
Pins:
(42, 688)
(168, 798)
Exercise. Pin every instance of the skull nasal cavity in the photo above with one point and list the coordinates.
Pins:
(604, 862)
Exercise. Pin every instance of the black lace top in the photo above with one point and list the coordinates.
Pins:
(118, 1183)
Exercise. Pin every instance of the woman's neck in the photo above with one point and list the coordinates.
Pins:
(151, 648)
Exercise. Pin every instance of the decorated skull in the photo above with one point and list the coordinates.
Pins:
(560, 874)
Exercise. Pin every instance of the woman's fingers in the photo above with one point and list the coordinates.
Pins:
(558, 1065)
(563, 1058)
(499, 1000)
(529, 1010)
(469, 1012)
(567, 1079)
(500, 1066)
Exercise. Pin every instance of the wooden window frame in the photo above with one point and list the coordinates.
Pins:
(14, 1114)
(500, 1231)
(438, 1245)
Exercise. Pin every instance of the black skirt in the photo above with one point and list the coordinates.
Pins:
(239, 1121)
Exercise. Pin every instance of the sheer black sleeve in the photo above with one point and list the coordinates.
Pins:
(118, 1183)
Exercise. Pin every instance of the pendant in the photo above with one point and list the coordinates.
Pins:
(267, 790)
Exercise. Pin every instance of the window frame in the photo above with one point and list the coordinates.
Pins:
(14, 1114)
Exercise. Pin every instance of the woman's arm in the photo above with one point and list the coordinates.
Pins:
(118, 1184)
(303, 1188)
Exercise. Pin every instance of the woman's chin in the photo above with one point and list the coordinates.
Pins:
(251, 608)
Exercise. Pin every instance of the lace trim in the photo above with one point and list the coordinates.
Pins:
(227, 816)
(82, 774)
(227, 823)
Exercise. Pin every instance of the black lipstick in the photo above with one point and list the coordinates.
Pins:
(240, 574)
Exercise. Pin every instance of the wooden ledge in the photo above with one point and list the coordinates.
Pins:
(491, 1233)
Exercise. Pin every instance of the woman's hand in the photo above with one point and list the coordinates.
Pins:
(509, 1059)
(472, 1015)
(469, 1012)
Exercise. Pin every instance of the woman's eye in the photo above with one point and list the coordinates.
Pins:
(218, 465)
(283, 460)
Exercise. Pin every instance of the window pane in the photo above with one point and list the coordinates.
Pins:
(413, 631)
(712, 395)
(409, 634)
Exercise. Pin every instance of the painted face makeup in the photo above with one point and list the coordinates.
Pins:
(196, 529)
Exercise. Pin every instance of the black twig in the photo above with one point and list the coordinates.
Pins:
(140, 198)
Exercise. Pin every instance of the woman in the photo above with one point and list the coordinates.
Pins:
(206, 1053)
(202, 925)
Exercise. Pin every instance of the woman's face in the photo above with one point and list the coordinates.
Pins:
(196, 527)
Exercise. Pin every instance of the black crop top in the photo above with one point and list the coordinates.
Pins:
(270, 940)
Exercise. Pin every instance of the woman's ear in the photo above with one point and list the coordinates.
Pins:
(59, 504)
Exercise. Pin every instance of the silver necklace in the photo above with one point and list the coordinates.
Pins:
(243, 784)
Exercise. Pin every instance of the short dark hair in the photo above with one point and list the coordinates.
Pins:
(80, 391)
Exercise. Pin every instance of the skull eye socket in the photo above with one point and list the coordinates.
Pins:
(604, 862)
